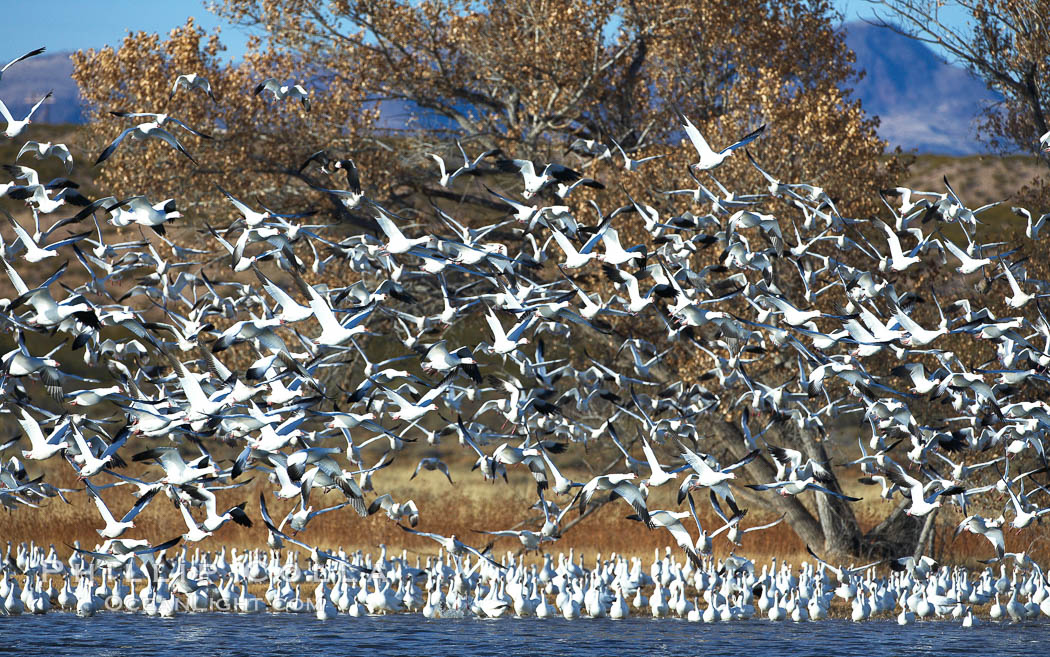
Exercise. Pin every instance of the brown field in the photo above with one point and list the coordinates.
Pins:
(469, 505)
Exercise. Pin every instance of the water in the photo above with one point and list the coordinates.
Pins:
(60, 634)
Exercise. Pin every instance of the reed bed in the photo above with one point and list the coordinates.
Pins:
(462, 508)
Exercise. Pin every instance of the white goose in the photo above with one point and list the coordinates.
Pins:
(709, 159)
(47, 149)
(16, 127)
(141, 132)
(192, 81)
(280, 92)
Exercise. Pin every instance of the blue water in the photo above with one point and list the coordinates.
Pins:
(59, 634)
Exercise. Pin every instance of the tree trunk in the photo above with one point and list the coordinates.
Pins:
(797, 516)
(897, 534)
(841, 532)
(926, 535)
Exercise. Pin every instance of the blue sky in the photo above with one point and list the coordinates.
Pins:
(79, 24)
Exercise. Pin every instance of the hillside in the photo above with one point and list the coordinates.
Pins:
(27, 82)
(924, 103)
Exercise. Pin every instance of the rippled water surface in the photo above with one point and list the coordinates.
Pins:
(303, 636)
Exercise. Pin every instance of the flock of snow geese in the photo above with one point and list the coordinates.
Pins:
(157, 342)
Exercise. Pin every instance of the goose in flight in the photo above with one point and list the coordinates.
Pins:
(194, 533)
(709, 159)
(506, 342)
(113, 528)
(214, 520)
(672, 522)
(710, 476)
(469, 166)
(192, 81)
(1044, 141)
(395, 510)
(1033, 227)
(452, 545)
(176, 471)
(552, 173)
(16, 127)
(658, 476)
(317, 556)
(630, 164)
(921, 504)
(575, 259)
(121, 552)
(409, 411)
(42, 150)
(141, 132)
(621, 486)
(790, 465)
(437, 358)
(31, 53)
(42, 448)
(796, 486)
(397, 243)
(432, 463)
(980, 526)
(842, 574)
(280, 92)
(90, 464)
(161, 120)
(529, 540)
(352, 196)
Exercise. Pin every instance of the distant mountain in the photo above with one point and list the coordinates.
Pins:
(924, 103)
(27, 81)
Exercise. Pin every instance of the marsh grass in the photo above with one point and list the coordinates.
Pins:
(470, 504)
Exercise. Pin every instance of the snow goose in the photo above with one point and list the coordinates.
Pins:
(506, 342)
(141, 132)
(192, 81)
(629, 164)
(42, 448)
(921, 504)
(534, 183)
(194, 532)
(1044, 141)
(34, 252)
(432, 464)
(31, 53)
(113, 528)
(16, 127)
(397, 243)
(48, 149)
(796, 486)
(36, 196)
(90, 465)
(446, 176)
(453, 546)
(280, 92)
(215, 520)
(575, 259)
(353, 196)
(709, 159)
(438, 358)
(715, 478)
(409, 411)
(977, 525)
(176, 471)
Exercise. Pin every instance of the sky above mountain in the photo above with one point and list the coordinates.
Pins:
(923, 103)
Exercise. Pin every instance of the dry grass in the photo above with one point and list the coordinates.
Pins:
(471, 504)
